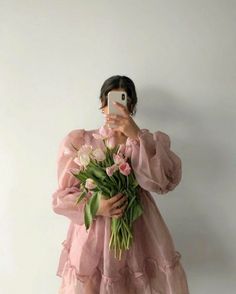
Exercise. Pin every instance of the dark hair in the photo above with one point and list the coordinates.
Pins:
(123, 82)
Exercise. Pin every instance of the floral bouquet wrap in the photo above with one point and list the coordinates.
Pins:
(104, 172)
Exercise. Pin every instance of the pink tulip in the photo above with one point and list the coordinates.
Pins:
(118, 159)
(90, 184)
(125, 168)
(121, 149)
(110, 142)
(128, 151)
(83, 155)
(107, 134)
(85, 149)
(125, 151)
(106, 131)
(111, 169)
(82, 160)
(98, 154)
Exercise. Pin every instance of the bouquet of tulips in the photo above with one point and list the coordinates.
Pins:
(106, 172)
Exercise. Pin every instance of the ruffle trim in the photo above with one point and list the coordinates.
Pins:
(73, 282)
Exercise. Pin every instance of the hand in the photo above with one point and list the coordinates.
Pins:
(110, 207)
(124, 123)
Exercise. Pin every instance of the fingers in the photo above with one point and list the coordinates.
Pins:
(114, 116)
(119, 212)
(115, 119)
(113, 206)
(122, 108)
(119, 202)
(115, 198)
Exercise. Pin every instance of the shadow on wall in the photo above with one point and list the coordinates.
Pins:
(204, 167)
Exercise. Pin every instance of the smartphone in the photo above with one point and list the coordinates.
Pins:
(118, 96)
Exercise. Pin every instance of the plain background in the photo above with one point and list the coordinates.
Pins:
(55, 55)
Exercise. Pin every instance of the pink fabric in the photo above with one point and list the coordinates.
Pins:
(152, 265)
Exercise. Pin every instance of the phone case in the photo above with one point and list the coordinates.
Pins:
(119, 96)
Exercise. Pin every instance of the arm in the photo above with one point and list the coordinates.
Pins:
(156, 167)
(63, 199)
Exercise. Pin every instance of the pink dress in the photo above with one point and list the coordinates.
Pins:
(152, 265)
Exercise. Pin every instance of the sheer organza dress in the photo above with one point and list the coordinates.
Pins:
(152, 265)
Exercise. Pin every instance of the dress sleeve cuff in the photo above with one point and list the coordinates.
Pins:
(136, 141)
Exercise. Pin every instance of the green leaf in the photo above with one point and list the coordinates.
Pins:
(105, 190)
(135, 183)
(99, 173)
(112, 191)
(91, 208)
(130, 203)
(81, 197)
(137, 211)
(87, 216)
(94, 203)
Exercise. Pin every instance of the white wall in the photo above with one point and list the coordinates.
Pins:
(55, 56)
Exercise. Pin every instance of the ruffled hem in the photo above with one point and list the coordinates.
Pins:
(154, 278)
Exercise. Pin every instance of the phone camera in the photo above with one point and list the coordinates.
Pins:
(123, 96)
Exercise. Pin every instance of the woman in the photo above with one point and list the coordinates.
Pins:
(152, 264)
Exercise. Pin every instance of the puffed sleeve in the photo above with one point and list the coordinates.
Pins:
(156, 167)
(63, 199)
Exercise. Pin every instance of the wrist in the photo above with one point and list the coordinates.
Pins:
(135, 136)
